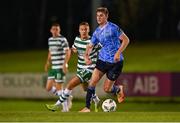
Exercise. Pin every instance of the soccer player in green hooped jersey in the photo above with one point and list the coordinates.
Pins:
(58, 58)
(84, 71)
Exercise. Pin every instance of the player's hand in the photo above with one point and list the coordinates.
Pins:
(74, 50)
(87, 60)
(117, 57)
(65, 68)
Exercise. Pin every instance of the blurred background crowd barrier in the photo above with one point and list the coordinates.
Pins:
(32, 85)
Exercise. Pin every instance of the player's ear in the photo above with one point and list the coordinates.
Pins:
(79, 30)
(88, 28)
(107, 16)
(59, 29)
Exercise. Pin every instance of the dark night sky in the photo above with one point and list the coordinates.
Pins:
(25, 23)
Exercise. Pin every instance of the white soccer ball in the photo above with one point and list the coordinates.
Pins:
(109, 105)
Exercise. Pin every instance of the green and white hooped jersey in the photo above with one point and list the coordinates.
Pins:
(80, 45)
(57, 47)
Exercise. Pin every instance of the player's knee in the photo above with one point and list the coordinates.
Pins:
(48, 88)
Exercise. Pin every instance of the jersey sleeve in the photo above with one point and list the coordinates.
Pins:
(94, 39)
(74, 44)
(48, 44)
(65, 44)
(118, 31)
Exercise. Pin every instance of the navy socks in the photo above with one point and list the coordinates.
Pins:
(89, 95)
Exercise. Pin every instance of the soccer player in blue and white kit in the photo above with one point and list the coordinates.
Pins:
(110, 60)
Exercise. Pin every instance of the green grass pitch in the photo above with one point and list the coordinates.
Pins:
(139, 57)
(35, 111)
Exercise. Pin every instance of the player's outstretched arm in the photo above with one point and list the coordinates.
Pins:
(125, 42)
(47, 62)
(66, 60)
(87, 52)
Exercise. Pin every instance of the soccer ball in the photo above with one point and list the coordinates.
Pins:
(109, 105)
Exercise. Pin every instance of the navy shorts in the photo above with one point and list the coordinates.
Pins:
(112, 70)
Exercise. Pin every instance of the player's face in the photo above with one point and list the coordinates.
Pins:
(101, 18)
(55, 30)
(84, 31)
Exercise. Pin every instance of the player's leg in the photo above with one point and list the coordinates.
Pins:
(59, 88)
(96, 76)
(121, 95)
(85, 76)
(109, 87)
(112, 74)
(60, 79)
(71, 85)
(84, 86)
(66, 93)
(50, 85)
(95, 98)
(75, 81)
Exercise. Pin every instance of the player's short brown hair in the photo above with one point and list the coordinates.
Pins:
(55, 24)
(103, 10)
(84, 23)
